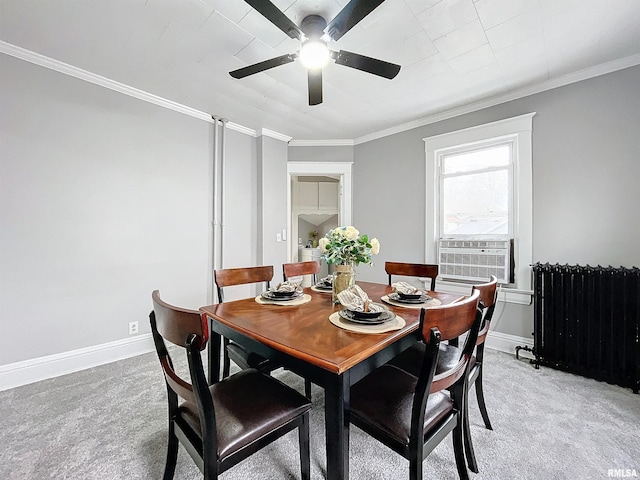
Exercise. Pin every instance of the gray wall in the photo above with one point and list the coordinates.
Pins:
(241, 236)
(389, 178)
(586, 171)
(272, 198)
(104, 198)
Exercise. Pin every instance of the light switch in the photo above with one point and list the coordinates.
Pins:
(278, 237)
(284, 234)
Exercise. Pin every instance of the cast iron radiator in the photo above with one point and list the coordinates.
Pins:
(587, 321)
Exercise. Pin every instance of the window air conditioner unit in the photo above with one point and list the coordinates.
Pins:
(475, 260)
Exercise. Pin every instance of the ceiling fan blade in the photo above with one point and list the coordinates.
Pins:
(272, 13)
(349, 16)
(315, 86)
(262, 66)
(366, 64)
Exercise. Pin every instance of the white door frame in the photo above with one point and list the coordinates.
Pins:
(343, 169)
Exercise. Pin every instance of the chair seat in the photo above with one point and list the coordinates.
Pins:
(368, 400)
(246, 359)
(411, 359)
(242, 417)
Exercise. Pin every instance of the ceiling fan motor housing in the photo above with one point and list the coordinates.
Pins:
(313, 26)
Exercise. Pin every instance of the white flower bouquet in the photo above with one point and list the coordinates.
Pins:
(345, 246)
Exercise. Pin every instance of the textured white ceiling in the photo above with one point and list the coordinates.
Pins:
(452, 52)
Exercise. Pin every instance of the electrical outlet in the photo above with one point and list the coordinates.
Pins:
(133, 328)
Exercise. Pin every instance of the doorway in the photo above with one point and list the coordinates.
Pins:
(341, 171)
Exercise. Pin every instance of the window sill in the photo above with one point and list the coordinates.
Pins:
(505, 294)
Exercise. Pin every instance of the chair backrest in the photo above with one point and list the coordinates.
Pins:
(228, 277)
(181, 327)
(436, 324)
(190, 330)
(488, 292)
(301, 268)
(413, 270)
(451, 321)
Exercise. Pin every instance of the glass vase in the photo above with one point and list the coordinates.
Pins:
(343, 278)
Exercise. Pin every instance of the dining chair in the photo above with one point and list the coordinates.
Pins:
(449, 356)
(422, 270)
(229, 277)
(299, 269)
(222, 424)
(231, 350)
(412, 415)
(487, 302)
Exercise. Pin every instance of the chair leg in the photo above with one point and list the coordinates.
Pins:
(172, 453)
(210, 471)
(481, 404)
(458, 450)
(210, 474)
(415, 469)
(416, 457)
(468, 444)
(226, 361)
(303, 440)
(307, 388)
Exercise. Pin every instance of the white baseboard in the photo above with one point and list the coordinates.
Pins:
(36, 369)
(503, 342)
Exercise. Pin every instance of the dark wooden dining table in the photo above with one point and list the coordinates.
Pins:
(303, 339)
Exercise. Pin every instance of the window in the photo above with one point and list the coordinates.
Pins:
(479, 204)
(476, 192)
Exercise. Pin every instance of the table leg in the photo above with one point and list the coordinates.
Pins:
(213, 356)
(336, 410)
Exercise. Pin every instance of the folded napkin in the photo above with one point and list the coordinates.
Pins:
(354, 298)
(328, 280)
(405, 288)
(286, 287)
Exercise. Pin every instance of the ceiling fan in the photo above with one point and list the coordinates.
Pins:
(314, 33)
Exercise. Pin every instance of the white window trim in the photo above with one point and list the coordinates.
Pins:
(520, 126)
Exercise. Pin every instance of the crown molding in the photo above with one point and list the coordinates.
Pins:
(66, 69)
(563, 80)
(567, 79)
(242, 129)
(340, 142)
(278, 136)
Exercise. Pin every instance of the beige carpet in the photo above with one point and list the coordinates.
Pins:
(110, 422)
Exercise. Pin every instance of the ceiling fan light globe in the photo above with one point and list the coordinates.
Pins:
(314, 54)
